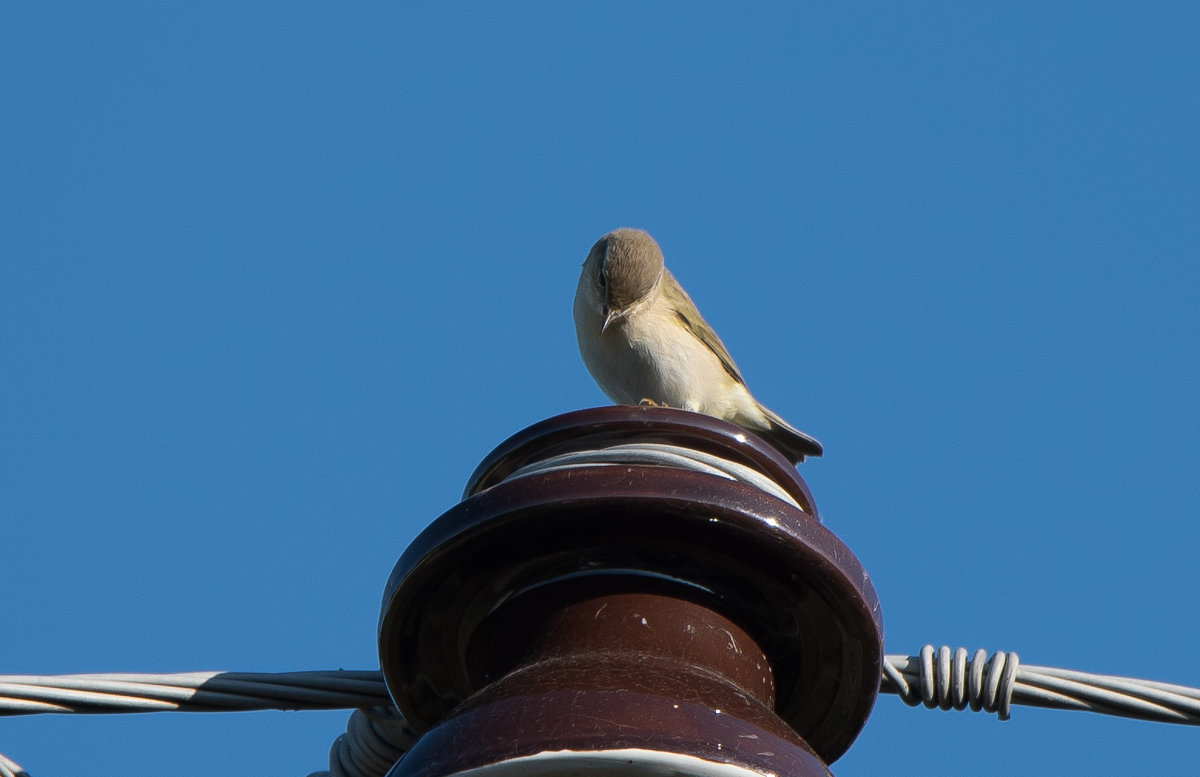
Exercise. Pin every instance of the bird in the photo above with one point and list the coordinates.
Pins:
(645, 343)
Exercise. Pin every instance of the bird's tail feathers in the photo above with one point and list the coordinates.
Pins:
(790, 441)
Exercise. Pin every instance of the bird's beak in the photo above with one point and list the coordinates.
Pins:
(608, 317)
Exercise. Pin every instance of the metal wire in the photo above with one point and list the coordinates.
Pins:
(190, 692)
(951, 682)
(376, 736)
(11, 769)
(374, 741)
(662, 455)
(946, 680)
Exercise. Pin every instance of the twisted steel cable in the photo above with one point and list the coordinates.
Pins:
(376, 736)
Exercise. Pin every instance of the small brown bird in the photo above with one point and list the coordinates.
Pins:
(644, 341)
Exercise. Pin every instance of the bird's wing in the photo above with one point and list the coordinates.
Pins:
(687, 312)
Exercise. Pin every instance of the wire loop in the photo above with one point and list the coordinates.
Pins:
(375, 739)
(947, 680)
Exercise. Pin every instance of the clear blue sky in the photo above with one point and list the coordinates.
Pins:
(276, 277)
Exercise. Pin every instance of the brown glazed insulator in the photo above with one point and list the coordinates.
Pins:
(603, 426)
(620, 614)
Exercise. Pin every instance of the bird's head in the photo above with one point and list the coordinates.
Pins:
(623, 266)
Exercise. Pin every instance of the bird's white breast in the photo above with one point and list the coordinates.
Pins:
(649, 354)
